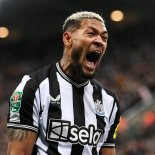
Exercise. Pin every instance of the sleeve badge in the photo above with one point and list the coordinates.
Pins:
(15, 101)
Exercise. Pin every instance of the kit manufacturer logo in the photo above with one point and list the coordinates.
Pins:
(55, 100)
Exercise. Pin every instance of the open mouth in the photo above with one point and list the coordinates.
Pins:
(93, 56)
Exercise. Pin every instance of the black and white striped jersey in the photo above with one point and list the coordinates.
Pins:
(69, 118)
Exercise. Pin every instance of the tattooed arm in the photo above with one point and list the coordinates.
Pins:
(20, 142)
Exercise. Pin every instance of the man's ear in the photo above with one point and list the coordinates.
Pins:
(67, 39)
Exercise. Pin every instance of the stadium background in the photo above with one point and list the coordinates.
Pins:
(35, 39)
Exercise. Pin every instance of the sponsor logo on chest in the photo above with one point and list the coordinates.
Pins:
(63, 131)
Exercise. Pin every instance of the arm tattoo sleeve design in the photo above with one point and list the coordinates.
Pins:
(17, 134)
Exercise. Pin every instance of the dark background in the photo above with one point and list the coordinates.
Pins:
(35, 26)
(127, 68)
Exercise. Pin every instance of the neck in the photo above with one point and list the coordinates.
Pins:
(69, 69)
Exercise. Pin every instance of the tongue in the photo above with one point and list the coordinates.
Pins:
(91, 64)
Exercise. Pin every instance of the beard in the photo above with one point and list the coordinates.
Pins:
(77, 68)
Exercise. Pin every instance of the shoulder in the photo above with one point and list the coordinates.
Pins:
(42, 73)
(98, 85)
(107, 93)
(33, 80)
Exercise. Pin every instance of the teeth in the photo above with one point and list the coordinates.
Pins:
(97, 51)
(90, 63)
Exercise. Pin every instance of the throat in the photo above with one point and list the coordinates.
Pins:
(77, 75)
(74, 72)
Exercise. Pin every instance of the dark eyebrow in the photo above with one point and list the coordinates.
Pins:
(94, 29)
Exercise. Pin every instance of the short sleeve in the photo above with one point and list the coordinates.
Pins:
(24, 106)
(112, 128)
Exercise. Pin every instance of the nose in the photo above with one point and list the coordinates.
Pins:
(98, 41)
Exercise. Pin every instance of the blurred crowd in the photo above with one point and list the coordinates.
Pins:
(126, 70)
(138, 138)
(129, 72)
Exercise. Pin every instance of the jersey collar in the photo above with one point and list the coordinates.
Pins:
(68, 79)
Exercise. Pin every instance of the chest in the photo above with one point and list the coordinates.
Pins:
(73, 115)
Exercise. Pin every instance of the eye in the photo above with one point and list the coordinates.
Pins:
(105, 37)
(91, 33)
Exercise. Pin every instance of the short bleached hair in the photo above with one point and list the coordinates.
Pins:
(73, 21)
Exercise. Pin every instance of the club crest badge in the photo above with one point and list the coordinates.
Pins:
(99, 109)
(56, 100)
(15, 101)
